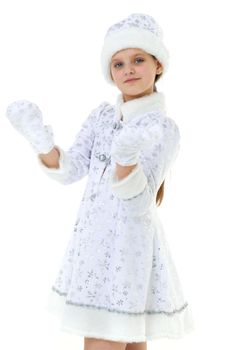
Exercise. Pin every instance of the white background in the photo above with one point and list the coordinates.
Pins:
(50, 54)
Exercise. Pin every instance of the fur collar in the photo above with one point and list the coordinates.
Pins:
(137, 106)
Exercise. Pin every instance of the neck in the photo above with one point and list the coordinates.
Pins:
(144, 93)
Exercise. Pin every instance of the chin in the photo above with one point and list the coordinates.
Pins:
(133, 90)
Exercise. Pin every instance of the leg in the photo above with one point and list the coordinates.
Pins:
(102, 344)
(136, 346)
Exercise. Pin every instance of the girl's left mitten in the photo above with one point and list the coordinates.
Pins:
(126, 147)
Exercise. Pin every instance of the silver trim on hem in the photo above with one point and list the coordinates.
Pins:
(124, 312)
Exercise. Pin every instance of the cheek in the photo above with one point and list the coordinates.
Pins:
(118, 75)
(147, 74)
(143, 71)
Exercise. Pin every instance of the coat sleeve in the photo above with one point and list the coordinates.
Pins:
(138, 190)
(74, 163)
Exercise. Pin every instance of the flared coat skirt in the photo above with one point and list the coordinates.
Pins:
(120, 287)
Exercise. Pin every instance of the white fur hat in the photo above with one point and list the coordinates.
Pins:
(136, 31)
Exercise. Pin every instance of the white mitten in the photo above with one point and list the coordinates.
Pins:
(26, 118)
(143, 122)
(127, 144)
(125, 148)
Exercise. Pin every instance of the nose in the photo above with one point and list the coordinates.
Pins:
(129, 69)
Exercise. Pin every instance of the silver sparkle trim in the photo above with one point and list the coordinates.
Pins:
(168, 313)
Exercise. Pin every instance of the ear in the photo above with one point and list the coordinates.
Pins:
(159, 67)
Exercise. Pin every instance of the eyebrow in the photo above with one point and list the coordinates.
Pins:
(136, 54)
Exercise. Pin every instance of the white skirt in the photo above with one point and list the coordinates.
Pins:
(104, 323)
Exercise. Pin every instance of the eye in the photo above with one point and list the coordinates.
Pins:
(116, 65)
(137, 59)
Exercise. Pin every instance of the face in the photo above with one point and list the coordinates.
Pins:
(134, 63)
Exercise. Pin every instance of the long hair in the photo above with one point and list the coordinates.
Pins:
(160, 192)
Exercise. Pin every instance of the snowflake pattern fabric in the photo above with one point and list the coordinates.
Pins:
(117, 258)
(26, 118)
(137, 20)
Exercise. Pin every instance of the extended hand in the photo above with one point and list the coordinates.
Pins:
(26, 118)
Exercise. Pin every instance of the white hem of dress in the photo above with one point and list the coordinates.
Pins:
(81, 320)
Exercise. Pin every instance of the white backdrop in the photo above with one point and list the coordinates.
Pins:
(50, 54)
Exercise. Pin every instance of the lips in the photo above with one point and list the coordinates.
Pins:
(131, 80)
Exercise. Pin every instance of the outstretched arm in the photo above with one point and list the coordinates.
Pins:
(72, 165)
(138, 189)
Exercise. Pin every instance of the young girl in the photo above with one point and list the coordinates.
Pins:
(117, 285)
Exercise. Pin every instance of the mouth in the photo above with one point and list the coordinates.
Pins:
(131, 80)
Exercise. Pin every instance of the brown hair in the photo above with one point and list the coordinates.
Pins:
(160, 193)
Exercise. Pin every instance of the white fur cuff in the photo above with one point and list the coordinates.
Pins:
(57, 173)
(131, 185)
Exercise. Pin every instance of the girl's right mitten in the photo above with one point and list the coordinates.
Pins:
(26, 118)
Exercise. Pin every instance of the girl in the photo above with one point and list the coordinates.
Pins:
(117, 285)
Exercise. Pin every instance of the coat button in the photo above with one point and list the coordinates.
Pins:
(92, 197)
(102, 157)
